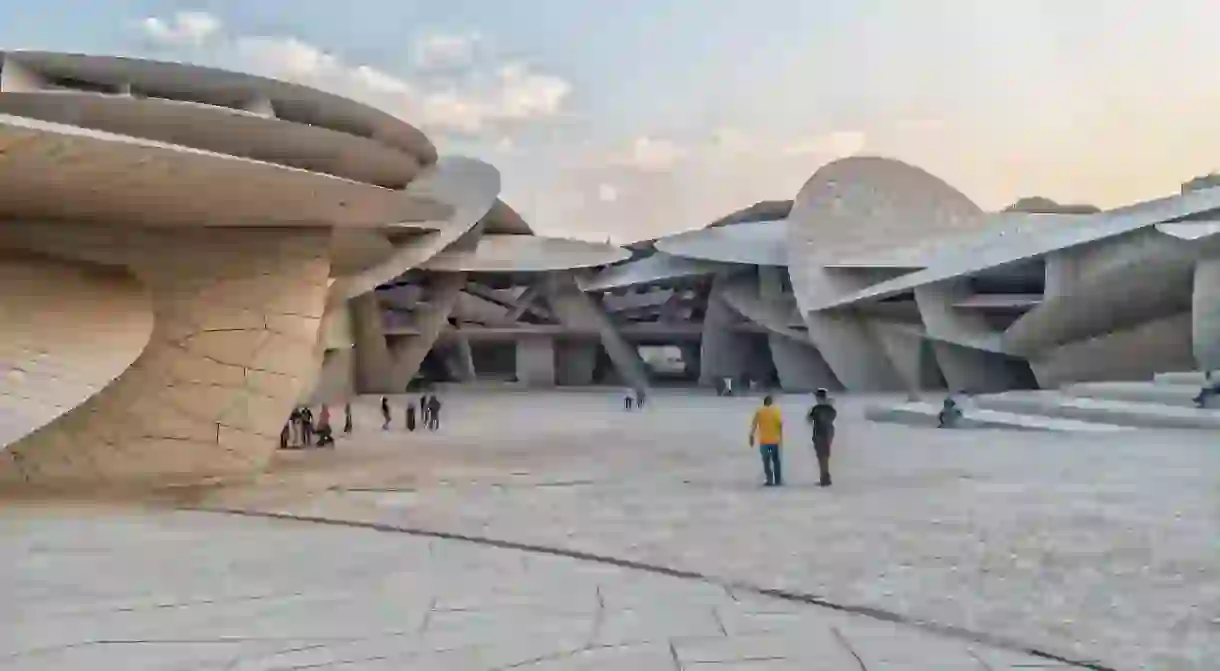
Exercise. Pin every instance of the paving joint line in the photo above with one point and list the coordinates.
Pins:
(949, 631)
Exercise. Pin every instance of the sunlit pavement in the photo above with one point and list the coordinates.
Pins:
(1087, 547)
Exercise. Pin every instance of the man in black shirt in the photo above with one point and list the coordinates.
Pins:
(822, 416)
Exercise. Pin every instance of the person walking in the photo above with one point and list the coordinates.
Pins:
(294, 425)
(434, 413)
(385, 414)
(410, 415)
(822, 417)
(768, 428)
(423, 410)
(306, 426)
(347, 418)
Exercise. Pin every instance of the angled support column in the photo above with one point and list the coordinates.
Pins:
(966, 347)
(430, 320)
(574, 308)
(1205, 314)
(460, 358)
(722, 351)
(372, 356)
(799, 365)
(524, 302)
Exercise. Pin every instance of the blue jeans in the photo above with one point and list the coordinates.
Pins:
(771, 465)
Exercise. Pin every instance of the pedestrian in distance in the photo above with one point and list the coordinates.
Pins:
(767, 427)
(423, 409)
(347, 418)
(822, 418)
(410, 415)
(385, 414)
(306, 426)
(628, 399)
(434, 413)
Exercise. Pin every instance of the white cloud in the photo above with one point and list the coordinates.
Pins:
(186, 28)
(524, 93)
(439, 50)
(838, 144)
(607, 193)
(650, 154)
(485, 99)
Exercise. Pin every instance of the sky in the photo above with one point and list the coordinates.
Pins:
(629, 119)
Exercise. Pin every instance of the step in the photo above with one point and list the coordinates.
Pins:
(1188, 377)
(919, 413)
(1163, 393)
(1105, 411)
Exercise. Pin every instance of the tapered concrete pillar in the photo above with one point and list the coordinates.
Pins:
(575, 362)
(1205, 314)
(372, 356)
(430, 320)
(800, 367)
(335, 380)
(723, 351)
(577, 309)
(460, 359)
(536, 361)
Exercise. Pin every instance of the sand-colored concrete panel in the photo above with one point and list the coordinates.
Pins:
(762, 243)
(855, 205)
(470, 187)
(182, 81)
(180, 413)
(63, 172)
(525, 253)
(66, 331)
(224, 130)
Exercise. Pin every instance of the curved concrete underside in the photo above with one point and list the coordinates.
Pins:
(224, 130)
(658, 267)
(294, 102)
(525, 253)
(762, 243)
(56, 171)
(66, 331)
(1134, 353)
(237, 314)
(470, 187)
(1148, 278)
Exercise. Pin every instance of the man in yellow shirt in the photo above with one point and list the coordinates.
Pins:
(768, 428)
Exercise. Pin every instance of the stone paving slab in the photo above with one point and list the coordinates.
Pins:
(181, 591)
(1089, 546)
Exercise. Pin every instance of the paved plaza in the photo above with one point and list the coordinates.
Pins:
(197, 591)
(1091, 547)
(977, 543)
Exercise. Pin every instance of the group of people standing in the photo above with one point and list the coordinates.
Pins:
(429, 413)
(300, 430)
(767, 429)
